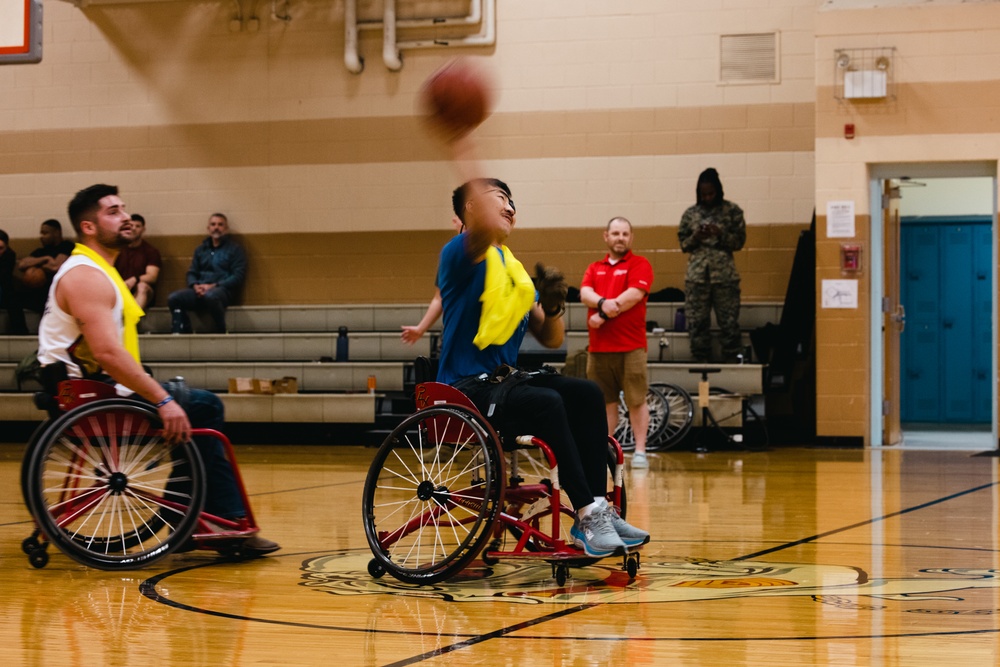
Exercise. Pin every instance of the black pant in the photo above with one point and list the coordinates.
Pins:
(569, 415)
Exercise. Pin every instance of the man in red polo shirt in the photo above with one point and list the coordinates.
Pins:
(615, 291)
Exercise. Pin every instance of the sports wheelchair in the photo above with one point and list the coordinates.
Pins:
(103, 485)
(443, 485)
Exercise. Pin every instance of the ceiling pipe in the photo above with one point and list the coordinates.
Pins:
(474, 17)
(352, 59)
(390, 52)
(486, 37)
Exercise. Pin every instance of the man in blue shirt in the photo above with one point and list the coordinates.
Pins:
(489, 304)
(216, 276)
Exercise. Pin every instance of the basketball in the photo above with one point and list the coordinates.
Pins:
(34, 277)
(457, 98)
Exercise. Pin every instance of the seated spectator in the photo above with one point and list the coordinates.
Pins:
(139, 264)
(8, 260)
(34, 275)
(217, 272)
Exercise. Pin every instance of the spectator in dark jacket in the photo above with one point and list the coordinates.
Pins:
(217, 272)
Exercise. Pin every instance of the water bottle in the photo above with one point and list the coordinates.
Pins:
(342, 344)
(680, 320)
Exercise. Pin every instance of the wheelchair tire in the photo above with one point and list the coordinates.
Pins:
(680, 415)
(658, 417)
(108, 491)
(433, 493)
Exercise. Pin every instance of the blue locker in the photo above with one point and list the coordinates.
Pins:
(945, 348)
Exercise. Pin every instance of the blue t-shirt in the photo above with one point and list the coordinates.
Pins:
(461, 282)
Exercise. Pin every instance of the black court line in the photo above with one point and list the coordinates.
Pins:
(566, 612)
(148, 589)
(818, 536)
(491, 635)
(306, 488)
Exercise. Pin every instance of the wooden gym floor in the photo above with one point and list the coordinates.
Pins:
(786, 557)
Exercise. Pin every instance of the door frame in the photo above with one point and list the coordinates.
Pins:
(878, 173)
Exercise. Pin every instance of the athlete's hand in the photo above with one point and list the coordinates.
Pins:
(176, 427)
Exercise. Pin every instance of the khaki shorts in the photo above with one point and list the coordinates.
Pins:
(615, 372)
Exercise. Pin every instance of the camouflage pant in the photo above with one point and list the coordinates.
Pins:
(725, 297)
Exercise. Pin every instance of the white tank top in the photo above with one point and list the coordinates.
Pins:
(59, 336)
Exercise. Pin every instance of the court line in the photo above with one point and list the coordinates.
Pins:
(504, 631)
(813, 538)
(491, 635)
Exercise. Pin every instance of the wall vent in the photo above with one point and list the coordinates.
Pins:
(749, 58)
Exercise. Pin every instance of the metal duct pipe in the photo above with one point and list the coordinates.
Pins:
(352, 60)
(390, 54)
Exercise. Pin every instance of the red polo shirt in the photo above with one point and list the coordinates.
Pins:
(626, 332)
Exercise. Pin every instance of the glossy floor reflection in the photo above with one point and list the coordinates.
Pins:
(787, 557)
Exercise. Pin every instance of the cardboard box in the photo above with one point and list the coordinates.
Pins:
(240, 385)
(285, 385)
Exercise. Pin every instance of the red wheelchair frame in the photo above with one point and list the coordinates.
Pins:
(449, 525)
(102, 484)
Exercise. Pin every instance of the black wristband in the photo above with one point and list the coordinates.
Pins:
(600, 311)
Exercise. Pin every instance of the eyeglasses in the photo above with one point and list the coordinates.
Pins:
(506, 198)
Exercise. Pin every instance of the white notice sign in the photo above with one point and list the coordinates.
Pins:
(840, 293)
(840, 220)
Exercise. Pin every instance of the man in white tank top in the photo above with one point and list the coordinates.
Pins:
(88, 327)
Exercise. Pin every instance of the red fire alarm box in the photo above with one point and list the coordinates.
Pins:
(850, 258)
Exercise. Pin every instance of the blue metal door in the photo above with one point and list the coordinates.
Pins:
(945, 348)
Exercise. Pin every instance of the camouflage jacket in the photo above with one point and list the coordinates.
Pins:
(712, 256)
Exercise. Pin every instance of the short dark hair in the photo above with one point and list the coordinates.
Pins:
(219, 215)
(461, 194)
(54, 224)
(4, 237)
(137, 216)
(85, 203)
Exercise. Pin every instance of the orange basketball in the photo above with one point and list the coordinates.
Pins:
(34, 277)
(457, 98)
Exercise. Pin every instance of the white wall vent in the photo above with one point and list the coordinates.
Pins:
(751, 58)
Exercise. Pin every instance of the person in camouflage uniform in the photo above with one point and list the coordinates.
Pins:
(712, 230)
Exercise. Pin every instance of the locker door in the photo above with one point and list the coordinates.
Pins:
(956, 323)
(920, 349)
(982, 279)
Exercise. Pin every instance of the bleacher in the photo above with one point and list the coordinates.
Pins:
(273, 342)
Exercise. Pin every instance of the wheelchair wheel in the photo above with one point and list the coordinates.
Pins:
(105, 488)
(680, 415)
(433, 493)
(658, 414)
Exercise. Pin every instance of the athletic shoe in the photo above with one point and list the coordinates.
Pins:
(257, 546)
(639, 460)
(596, 536)
(629, 534)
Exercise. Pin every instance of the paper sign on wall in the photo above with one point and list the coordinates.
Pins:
(840, 219)
(840, 293)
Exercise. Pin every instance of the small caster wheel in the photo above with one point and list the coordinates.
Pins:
(632, 567)
(29, 544)
(562, 572)
(487, 559)
(375, 569)
(38, 558)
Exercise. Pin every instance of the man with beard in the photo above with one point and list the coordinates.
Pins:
(88, 330)
(615, 291)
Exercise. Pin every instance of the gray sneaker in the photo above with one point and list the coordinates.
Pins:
(596, 536)
(629, 534)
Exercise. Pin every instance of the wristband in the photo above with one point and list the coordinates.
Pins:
(165, 401)
(555, 313)
(600, 311)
